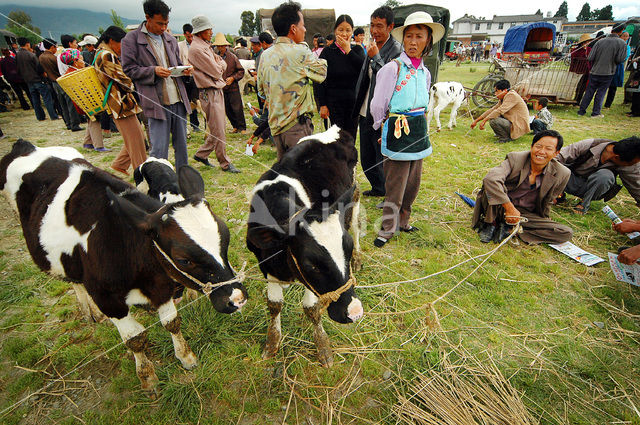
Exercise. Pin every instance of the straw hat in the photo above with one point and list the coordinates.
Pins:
(221, 40)
(201, 23)
(422, 18)
(584, 38)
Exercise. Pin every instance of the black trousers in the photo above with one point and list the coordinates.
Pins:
(370, 155)
(340, 114)
(233, 109)
(19, 88)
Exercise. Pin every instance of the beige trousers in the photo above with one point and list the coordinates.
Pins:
(288, 139)
(133, 152)
(93, 136)
(402, 182)
(212, 101)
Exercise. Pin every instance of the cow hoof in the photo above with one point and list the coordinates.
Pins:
(356, 262)
(325, 357)
(153, 393)
(268, 354)
(150, 385)
(189, 361)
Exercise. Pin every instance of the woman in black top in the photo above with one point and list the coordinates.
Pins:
(337, 94)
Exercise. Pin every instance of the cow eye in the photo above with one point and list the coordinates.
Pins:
(183, 262)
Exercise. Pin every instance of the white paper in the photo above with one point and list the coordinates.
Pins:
(178, 71)
(623, 272)
(578, 254)
(531, 119)
(248, 150)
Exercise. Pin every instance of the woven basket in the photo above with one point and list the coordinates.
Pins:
(84, 88)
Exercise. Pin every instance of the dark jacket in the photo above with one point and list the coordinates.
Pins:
(342, 75)
(389, 51)
(49, 63)
(29, 67)
(139, 63)
(606, 54)
(234, 69)
(9, 68)
(512, 172)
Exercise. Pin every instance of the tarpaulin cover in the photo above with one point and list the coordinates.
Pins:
(315, 21)
(517, 37)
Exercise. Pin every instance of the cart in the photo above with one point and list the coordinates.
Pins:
(531, 43)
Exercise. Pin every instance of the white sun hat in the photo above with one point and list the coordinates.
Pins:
(420, 18)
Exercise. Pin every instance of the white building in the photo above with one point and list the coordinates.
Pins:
(471, 29)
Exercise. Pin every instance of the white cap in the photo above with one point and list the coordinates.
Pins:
(88, 39)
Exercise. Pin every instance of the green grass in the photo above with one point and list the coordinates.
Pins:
(530, 309)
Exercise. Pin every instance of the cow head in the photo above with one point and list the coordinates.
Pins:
(190, 241)
(318, 248)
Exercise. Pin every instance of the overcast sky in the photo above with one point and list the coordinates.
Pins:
(225, 15)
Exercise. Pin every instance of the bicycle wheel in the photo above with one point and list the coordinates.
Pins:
(483, 93)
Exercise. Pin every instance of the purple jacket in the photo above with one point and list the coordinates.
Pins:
(139, 62)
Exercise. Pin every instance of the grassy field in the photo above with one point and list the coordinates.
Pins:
(565, 336)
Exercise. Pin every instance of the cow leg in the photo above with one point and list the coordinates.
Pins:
(437, 109)
(313, 311)
(275, 299)
(454, 113)
(135, 338)
(88, 308)
(356, 259)
(171, 322)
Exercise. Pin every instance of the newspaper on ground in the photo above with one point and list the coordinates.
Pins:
(623, 272)
(577, 253)
(615, 219)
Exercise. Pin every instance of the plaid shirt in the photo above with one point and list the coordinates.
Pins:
(545, 116)
(284, 81)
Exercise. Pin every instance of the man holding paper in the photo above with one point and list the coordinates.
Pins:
(147, 54)
(523, 186)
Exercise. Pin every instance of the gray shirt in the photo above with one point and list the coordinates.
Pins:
(607, 54)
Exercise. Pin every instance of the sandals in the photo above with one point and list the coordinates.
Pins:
(409, 229)
(379, 242)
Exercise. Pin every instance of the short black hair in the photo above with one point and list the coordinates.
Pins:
(265, 37)
(114, 33)
(330, 37)
(383, 12)
(242, 42)
(627, 149)
(284, 16)
(156, 7)
(617, 28)
(22, 41)
(187, 28)
(341, 19)
(48, 43)
(317, 35)
(549, 133)
(66, 40)
(358, 31)
(502, 85)
(543, 101)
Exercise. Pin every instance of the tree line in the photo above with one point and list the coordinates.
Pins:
(586, 14)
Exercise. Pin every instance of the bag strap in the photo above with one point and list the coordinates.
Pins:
(106, 95)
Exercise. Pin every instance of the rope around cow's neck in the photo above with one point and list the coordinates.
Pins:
(207, 287)
(324, 299)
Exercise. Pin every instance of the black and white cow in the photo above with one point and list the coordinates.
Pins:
(119, 246)
(301, 211)
(442, 95)
(157, 178)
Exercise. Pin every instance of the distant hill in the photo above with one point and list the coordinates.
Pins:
(63, 21)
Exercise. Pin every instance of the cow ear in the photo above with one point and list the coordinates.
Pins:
(191, 182)
(265, 237)
(132, 214)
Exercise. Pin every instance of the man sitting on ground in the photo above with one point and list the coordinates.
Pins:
(524, 186)
(594, 165)
(509, 118)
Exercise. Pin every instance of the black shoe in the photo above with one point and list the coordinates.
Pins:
(205, 161)
(372, 193)
(504, 230)
(78, 128)
(231, 169)
(486, 232)
(380, 242)
(409, 229)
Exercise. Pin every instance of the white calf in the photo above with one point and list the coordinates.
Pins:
(442, 95)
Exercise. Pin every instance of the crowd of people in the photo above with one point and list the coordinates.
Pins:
(379, 90)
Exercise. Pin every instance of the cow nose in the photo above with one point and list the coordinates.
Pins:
(355, 310)
(237, 299)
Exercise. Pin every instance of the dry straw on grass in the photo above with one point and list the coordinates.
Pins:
(469, 392)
